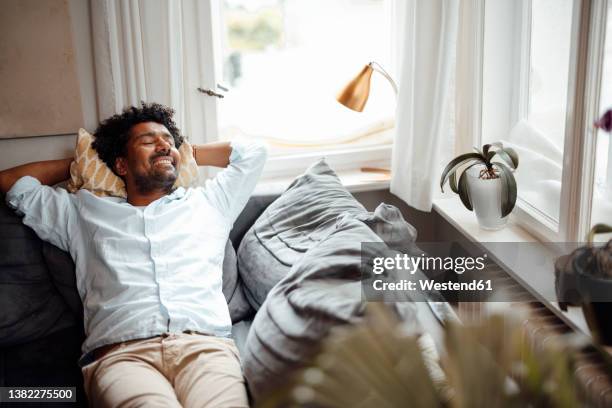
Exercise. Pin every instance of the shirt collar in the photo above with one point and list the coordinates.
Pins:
(177, 194)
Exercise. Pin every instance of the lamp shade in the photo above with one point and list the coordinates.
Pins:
(355, 94)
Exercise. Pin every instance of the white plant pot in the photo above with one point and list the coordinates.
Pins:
(486, 198)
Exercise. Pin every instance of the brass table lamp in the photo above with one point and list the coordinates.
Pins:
(355, 95)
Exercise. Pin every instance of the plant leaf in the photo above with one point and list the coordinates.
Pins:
(598, 229)
(487, 147)
(513, 155)
(464, 194)
(490, 156)
(452, 182)
(455, 175)
(509, 188)
(508, 155)
(454, 164)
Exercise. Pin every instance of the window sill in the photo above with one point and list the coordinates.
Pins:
(536, 277)
(342, 161)
(354, 180)
(465, 221)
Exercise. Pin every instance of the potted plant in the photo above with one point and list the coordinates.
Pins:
(584, 277)
(593, 268)
(485, 183)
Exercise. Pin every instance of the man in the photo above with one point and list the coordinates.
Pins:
(148, 268)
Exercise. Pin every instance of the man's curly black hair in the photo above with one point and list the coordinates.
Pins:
(112, 135)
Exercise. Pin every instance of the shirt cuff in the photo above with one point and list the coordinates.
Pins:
(237, 151)
(242, 150)
(21, 186)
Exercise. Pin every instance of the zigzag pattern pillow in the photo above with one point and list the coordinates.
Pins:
(88, 171)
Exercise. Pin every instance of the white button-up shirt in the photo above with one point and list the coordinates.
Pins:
(145, 271)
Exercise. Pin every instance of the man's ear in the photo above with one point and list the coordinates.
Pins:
(121, 166)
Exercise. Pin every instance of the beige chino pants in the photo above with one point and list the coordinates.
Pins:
(172, 370)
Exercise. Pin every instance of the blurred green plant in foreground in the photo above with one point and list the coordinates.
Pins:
(378, 364)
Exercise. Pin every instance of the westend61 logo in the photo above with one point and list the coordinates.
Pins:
(423, 262)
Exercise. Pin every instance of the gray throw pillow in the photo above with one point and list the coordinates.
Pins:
(303, 215)
(322, 291)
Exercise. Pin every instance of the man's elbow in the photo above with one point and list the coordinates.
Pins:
(6, 182)
(262, 154)
(262, 150)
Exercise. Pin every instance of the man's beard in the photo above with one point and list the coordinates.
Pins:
(155, 181)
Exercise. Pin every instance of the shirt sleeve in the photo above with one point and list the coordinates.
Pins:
(230, 190)
(50, 212)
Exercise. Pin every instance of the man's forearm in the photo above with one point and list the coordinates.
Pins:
(215, 154)
(48, 172)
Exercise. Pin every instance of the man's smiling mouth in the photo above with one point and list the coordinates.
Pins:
(164, 160)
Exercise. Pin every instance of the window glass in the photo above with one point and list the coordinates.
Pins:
(601, 211)
(540, 145)
(284, 61)
(549, 67)
(525, 94)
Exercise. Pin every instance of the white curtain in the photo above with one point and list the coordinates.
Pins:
(140, 55)
(429, 37)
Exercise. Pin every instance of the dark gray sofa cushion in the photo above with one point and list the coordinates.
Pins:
(322, 290)
(256, 205)
(61, 270)
(303, 215)
(30, 305)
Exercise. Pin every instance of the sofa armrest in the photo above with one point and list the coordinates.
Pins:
(253, 209)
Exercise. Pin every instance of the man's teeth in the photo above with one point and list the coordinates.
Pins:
(164, 161)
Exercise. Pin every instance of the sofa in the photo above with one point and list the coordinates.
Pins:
(41, 313)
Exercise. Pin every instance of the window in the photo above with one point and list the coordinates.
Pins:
(539, 71)
(282, 63)
(540, 88)
(601, 210)
(539, 132)
(526, 77)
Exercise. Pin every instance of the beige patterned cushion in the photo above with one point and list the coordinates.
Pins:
(88, 171)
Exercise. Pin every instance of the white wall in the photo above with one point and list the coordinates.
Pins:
(18, 151)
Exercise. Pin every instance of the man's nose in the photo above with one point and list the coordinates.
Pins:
(162, 144)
